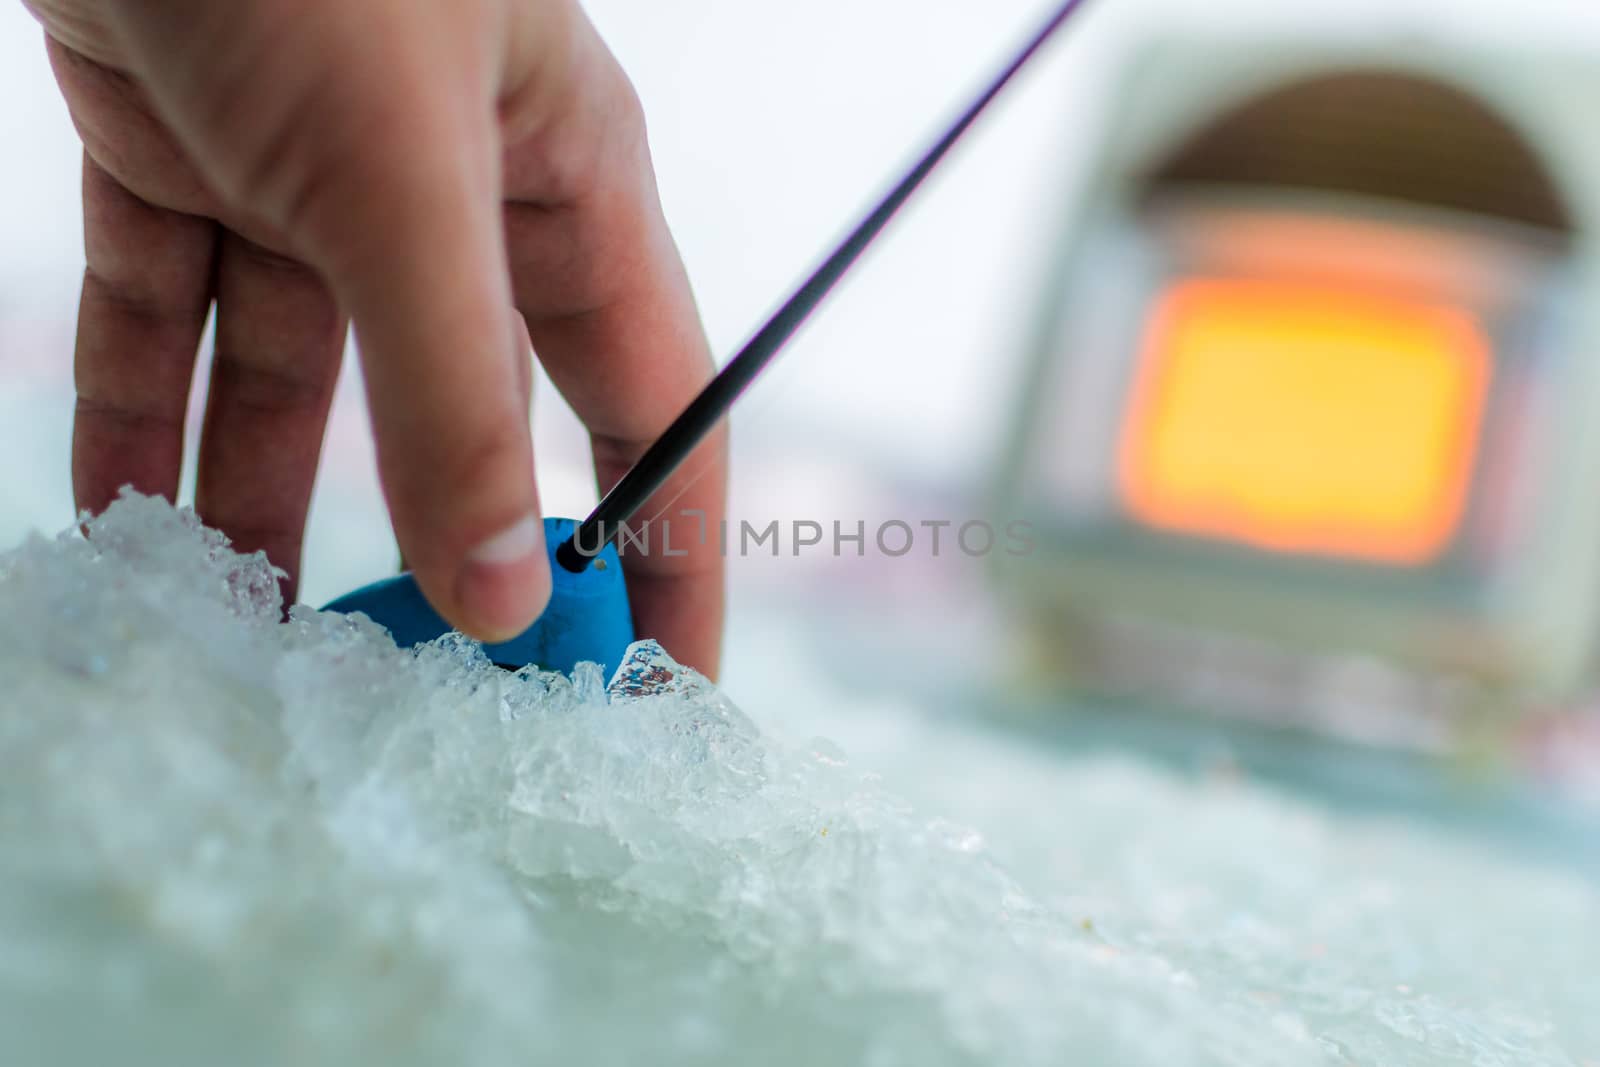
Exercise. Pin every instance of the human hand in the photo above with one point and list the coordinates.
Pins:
(458, 177)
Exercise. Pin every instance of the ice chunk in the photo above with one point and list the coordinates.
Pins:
(224, 838)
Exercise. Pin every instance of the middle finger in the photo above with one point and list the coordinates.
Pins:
(280, 336)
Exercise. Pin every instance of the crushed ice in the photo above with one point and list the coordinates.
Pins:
(224, 838)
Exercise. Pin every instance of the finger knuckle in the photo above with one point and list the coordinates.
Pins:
(265, 389)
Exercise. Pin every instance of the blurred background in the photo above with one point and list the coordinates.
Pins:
(1273, 324)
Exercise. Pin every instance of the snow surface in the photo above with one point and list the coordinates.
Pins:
(225, 839)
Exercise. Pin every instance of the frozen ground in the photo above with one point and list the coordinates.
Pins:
(228, 840)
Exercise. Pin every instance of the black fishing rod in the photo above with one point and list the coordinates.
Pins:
(664, 457)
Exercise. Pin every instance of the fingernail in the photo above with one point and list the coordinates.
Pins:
(505, 581)
(512, 545)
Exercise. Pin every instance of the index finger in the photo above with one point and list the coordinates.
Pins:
(611, 316)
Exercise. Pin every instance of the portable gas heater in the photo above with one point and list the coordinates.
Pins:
(1316, 394)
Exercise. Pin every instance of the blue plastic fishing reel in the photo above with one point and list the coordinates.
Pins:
(588, 619)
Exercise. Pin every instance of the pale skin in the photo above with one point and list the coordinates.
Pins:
(458, 179)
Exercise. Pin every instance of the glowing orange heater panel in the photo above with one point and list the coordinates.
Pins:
(1305, 419)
